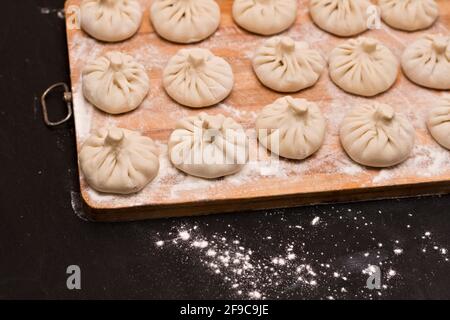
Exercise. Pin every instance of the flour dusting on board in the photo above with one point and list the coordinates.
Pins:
(429, 161)
(329, 169)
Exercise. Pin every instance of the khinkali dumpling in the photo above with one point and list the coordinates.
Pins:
(265, 17)
(196, 78)
(363, 66)
(116, 160)
(292, 128)
(185, 21)
(439, 122)
(340, 17)
(409, 15)
(208, 146)
(287, 66)
(115, 83)
(427, 62)
(110, 20)
(375, 135)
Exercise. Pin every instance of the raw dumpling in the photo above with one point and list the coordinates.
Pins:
(439, 122)
(185, 21)
(115, 83)
(409, 15)
(116, 160)
(110, 20)
(292, 128)
(376, 136)
(265, 17)
(343, 18)
(287, 66)
(427, 62)
(363, 66)
(196, 78)
(208, 146)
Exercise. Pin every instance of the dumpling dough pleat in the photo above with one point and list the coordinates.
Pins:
(343, 18)
(363, 66)
(196, 78)
(427, 62)
(208, 146)
(439, 122)
(266, 17)
(409, 15)
(116, 160)
(115, 83)
(375, 135)
(110, 20)
(292, 128)
(185, 21)
(287, 66)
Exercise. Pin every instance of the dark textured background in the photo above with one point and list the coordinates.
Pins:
(41, 234)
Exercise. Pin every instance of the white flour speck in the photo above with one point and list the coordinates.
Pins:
(200, 244)
(45, 11)
(184, 235)
(254, 295)
(391, 273)
(315, 221)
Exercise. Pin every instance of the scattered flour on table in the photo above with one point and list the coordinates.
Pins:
(246, 274)
(59, 12)
(290, 262)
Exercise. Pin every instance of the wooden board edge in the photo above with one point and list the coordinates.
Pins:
(255, 204)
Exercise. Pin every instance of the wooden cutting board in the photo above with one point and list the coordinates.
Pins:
(328, 176)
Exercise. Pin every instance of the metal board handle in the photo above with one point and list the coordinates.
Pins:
(67, 97)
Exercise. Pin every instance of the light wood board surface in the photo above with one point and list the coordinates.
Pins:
(327, 176)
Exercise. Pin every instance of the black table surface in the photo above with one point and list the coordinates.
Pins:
(319, 252)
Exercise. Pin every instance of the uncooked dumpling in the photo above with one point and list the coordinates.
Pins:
(409, 15)
(208, 146)
(287, 66)
(110, 20)
(115, 83)
(363, 66)
(265, 17)
(439, 122)
(376, 136)
(116, 160)
(292, 128)
(427, 62)
(196, 78)
(340, 17)
(185, 21)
